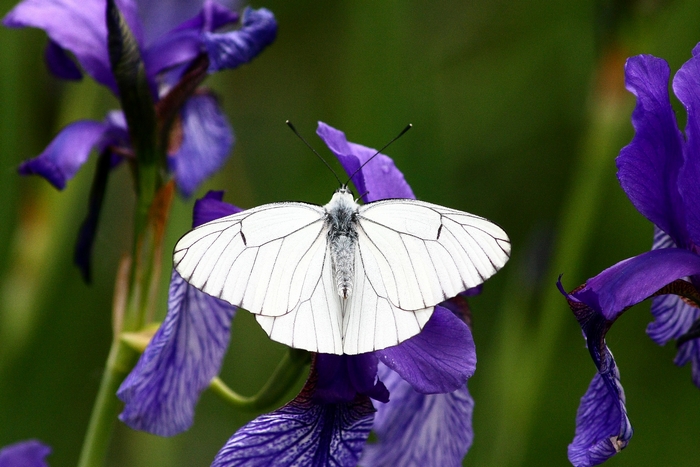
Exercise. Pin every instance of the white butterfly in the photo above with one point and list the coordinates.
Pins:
(342, 278)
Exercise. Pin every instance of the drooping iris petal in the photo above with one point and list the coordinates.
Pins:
(648, 167)
(635, 279)
(210, 207)
(380, 179)
(77, 26)
(184, 355)
(59, 63)
(303, 433)
(437, 360)
(66, 153)
(685, 85)
(29, 453)
(602, 426)
(161, 15)
(184, 42)
(416, 430)
(232, 49)
(207, 142)
(342, 377)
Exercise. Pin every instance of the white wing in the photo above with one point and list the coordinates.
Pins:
(418, 254)
(370, 322)
(267, 259)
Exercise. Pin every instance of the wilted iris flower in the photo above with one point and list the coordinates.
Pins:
(423, 409)
(201, 138)
(29, 453)
(660, 173)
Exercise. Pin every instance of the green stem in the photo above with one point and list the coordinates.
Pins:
(284, 376)
(120, 361)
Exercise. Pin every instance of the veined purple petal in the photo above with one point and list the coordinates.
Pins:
(184, 355)
(59, 63)
(77, 26)
(602, 426)
(439, 359)
(635, 279)
(68, 151)
(416, 430)
(690, 352)
(342, 377)
(31, 453)
(232, 49)
(685, 85)
(207, 139)
(380, 179)
(648, 167)
(211, 207)
(303, 433)
(673, 318)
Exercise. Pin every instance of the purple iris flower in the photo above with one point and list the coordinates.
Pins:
(426, 420)
(201, 139)
(659, 171)
(79, 27)
(29, 453)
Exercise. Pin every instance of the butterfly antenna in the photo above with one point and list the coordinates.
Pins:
(289, 124)
(408, 127)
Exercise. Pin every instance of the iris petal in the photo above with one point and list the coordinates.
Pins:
(184, 355)
(59, 63)
(416, 430)
(207, 142)
(68, 151)
(77, 26)
(439, 359)
(602, 426)
(380, 179)
(232, 49)
(303, 433)
(29, 453)
(648, 167)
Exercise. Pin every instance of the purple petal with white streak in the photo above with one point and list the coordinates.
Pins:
(416, 430)
(29, 453)
(303, 433)
(232, 49)
(380, 179)
(77, 26)
(648, 167)
(439, 359)
(206, 144)
(162, 390)
(602, 426)
(67, 152)
(211, 207)
(59, 63)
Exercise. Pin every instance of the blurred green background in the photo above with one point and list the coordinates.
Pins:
(507, 117)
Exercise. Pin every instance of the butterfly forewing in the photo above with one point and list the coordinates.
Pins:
(460, 251)
(264, 259)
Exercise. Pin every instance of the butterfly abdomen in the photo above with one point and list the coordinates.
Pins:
(341, 220)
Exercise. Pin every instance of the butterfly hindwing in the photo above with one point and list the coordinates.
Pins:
(265, 259)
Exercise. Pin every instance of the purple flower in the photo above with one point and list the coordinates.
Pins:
(659, 171)
(79, 27)
(201, 139)
(329, 421)
(30, 453)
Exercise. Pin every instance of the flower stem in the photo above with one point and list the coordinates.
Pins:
(284, 376)
(120, 361)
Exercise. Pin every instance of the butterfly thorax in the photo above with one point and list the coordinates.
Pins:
(341, 220)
